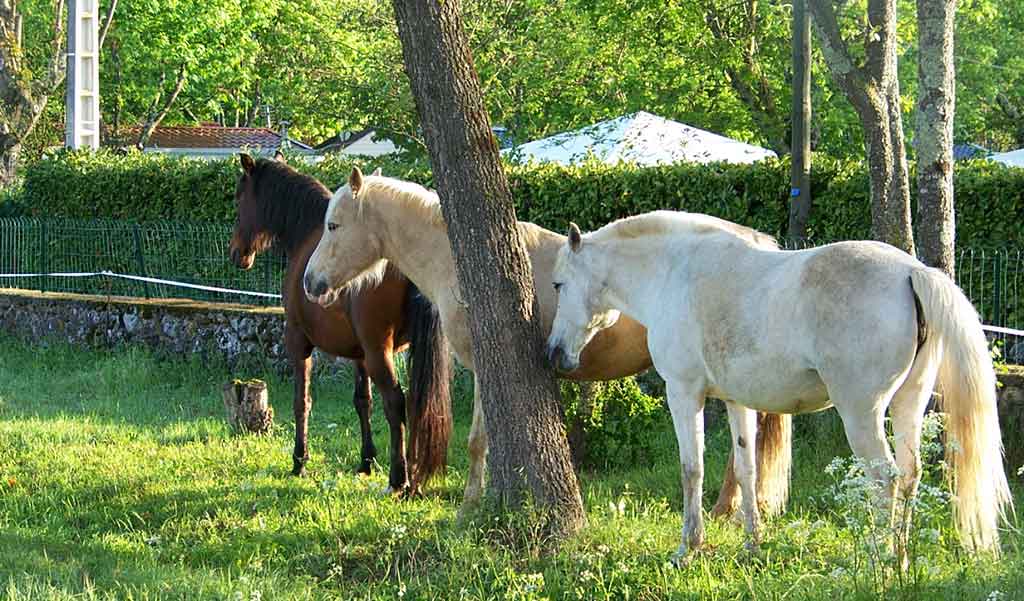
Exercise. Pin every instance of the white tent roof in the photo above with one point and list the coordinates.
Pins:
(640, 138)
(1014, 158)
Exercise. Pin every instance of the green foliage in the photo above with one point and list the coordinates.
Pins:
(619, 423)
(150, 187)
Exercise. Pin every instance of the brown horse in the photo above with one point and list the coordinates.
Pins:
(368, 323)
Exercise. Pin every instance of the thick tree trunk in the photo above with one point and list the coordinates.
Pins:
(935, 107)
(873, 90)
(529, 452)
(800, 169)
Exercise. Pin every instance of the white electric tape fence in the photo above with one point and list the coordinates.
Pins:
(139, 278)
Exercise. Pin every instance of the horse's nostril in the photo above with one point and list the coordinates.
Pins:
(234, 256)
(321, 288)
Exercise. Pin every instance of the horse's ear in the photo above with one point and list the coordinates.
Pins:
(355, 180)
(247, 163)
(279, 157)
(377, 172)
(575, 237)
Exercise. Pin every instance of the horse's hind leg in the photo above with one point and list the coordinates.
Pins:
(477, 453)
(907, 413)
(363, 402)
(864, 423)
(743, 425)
(382, 371)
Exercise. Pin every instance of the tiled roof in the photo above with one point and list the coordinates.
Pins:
(175, 136)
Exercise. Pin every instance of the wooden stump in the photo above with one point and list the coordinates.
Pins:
(247, 407)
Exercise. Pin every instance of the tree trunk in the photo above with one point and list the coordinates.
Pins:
(800, 169)
(873, 90)
(10, 151)
(158, 111)
(529, 452)
(935, 108)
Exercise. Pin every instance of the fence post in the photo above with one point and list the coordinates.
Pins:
(140, 261)
(997, 289)
(43, 255)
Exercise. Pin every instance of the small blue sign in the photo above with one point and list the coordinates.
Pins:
(794, 192)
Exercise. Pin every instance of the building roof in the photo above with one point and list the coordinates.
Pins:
(640, 138)
(211, 136)
(1014, 158)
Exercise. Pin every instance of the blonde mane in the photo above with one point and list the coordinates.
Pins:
(675, 222)
(411, 195)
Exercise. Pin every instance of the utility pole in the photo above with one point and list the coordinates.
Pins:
(800, 171)
(82, 121)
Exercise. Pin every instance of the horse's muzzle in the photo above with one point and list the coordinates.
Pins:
(559, 360)
(314, 290)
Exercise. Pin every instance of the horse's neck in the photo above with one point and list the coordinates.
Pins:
(419, 248)
(294, 231)
(636, 281)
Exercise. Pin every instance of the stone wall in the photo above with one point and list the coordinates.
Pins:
(172, 326)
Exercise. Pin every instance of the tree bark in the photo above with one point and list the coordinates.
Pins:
(873, 90)
(800, 168)
(529, 452)
(935, 110)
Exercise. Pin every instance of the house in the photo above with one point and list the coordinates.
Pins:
(366, 142)
(640, 138)
(215, 142)
(1014, 158)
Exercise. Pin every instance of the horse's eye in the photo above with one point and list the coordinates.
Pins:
(332, 226)
(557, 286)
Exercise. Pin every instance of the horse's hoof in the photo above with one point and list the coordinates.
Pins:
(398, 492)
(298, 468)
(365, 469)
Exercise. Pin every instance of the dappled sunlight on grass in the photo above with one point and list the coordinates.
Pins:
(120, 479)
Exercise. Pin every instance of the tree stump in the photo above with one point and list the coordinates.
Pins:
(247, 406)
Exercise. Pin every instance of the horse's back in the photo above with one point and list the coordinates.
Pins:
(774, 324)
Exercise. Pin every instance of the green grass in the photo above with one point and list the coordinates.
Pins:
(120, 479)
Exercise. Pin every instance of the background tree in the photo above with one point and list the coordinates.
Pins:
(934, 141)
(873, 88)
(529, 452)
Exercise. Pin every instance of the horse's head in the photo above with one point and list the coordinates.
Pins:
(581, 311)
(250, 235)
(347, 247)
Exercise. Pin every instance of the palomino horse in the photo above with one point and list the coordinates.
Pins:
(858, 325)
(367, 322)
(376, 218)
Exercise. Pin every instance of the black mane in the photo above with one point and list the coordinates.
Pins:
(291, 204)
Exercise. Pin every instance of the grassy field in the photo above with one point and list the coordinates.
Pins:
(120, 479)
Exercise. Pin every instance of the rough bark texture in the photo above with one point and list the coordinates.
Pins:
(800, 168)
(529, 452)
(246, 403)
(935, 108)
(873, 90)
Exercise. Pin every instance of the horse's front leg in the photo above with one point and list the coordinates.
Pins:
(686, 402)
(477, 453)
(363, 403)
(382, 372)
(299, 352)
(743, 426)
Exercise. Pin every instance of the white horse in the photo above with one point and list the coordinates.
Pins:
(374, 219)
(858, 325)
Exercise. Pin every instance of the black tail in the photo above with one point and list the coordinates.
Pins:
(428, 405)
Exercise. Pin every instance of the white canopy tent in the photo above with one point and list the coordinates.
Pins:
(1014, 158)
(640, 138)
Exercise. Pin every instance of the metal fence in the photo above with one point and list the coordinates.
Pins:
(198, 253)
(194, 253)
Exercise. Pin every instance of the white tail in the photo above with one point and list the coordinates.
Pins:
(967, 383)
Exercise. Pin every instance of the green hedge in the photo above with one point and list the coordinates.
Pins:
(149, 187)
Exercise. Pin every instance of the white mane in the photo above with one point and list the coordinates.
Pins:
(677, 222)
